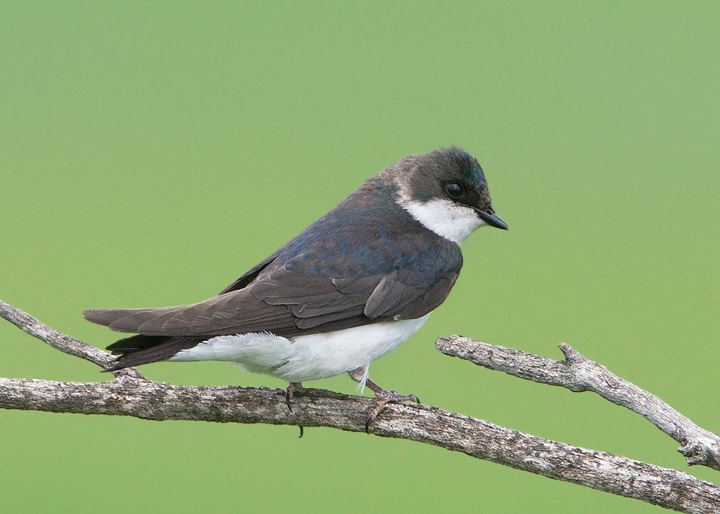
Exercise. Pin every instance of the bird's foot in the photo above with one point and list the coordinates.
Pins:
(382, 398)
(289, 391)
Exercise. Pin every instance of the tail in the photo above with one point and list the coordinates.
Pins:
(139, 349)
(145, 321)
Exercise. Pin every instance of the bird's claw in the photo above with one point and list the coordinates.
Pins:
(288, 397)
(289, 391)
(382, 399)
(373, 413)
(397, 397)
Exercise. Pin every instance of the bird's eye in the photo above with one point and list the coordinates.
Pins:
(455, 190)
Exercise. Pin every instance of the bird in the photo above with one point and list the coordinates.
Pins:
(345, 291)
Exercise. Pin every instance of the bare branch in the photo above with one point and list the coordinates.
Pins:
(578, 374)
(318, 408)
(60, 341)
(132, 395)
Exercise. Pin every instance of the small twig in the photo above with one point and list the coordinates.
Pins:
(60, 341)
(578, 374)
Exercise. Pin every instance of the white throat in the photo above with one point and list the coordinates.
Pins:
(445, 218)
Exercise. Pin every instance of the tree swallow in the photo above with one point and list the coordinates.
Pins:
(345, 291)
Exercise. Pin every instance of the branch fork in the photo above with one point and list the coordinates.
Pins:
(578, 373)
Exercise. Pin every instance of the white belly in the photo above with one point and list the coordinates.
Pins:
(309, 357)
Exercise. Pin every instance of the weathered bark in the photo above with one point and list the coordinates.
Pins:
(130, 394)
(578, 374)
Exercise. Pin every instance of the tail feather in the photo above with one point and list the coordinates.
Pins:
(140, 349)
(125, 320)
(136, 343)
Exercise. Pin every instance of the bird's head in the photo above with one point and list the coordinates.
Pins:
(446, 191)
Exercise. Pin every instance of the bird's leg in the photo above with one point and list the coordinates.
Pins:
(290, 390)
(382, 397)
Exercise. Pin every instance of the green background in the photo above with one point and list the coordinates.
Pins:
(151, 152)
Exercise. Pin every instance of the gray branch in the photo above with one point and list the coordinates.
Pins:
(578, 374)
(132, 395)
(60, 341)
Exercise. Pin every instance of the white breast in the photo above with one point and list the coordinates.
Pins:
(308, 357)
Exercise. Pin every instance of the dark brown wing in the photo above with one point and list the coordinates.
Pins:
(286, 304)
(290, 302)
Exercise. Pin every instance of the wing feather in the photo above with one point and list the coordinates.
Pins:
(290, 294)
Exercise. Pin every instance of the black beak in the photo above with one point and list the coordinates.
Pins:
(491, 219)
